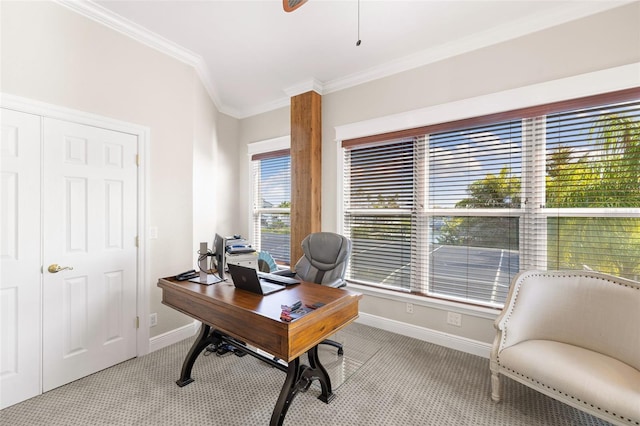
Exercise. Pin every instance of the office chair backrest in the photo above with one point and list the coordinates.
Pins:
(325, 260)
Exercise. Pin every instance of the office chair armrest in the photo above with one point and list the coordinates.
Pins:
(284, 272)
(337, 283)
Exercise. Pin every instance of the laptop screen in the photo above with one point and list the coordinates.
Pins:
(247, 279)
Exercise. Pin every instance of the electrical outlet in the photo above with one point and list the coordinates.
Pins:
(409, 308)
(153, 320)
(454, 318)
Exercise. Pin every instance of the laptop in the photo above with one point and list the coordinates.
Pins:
(247, 279)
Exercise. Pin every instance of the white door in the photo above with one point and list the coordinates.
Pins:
(90, 214)
(20, 309)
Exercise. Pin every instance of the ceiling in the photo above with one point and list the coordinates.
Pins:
(252, 56)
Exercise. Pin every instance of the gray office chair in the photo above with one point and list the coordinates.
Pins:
(325, 260)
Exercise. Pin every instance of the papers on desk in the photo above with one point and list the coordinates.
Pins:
(295, 311)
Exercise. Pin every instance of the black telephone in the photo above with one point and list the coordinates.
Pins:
(187, 275)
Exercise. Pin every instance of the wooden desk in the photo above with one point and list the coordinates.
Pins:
(242, 318)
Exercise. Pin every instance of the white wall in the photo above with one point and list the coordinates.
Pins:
(598, 42)
(231, 219)
(54, 55)
(215, 178)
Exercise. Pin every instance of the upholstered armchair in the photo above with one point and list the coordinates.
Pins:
(574, 336)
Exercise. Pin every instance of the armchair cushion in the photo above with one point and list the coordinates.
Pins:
(578, 374)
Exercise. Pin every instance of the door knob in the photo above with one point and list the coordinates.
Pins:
(54, 267)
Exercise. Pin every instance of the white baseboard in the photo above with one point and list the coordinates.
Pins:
(173, 336)
(463, 344)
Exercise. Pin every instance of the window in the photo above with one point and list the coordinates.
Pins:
(455, 210)
(379, 213)
(592, 185)
(271, 175)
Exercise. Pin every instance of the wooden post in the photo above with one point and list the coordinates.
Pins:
(306, 165)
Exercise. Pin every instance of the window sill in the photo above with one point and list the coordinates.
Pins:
(444, 305)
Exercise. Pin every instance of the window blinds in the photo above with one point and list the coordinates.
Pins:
(457, 213)
(592, 183)
(272, 203)
(474, 197)
(379, 203)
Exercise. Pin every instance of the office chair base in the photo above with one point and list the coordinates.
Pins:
(334, 344)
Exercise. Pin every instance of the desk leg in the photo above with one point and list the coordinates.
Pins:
(321, 374)
(205, 338)
(299, 378)
(288, 392)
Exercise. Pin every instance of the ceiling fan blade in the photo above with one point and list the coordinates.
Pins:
(291, 5)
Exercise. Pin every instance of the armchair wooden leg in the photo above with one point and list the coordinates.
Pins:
(496, 386)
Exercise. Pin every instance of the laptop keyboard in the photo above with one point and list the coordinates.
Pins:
(268, 286)
(278, 279)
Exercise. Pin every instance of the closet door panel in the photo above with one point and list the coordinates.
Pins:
(90, 228)
(20, 284)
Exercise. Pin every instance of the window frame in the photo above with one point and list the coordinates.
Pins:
(539, 99)
(269, 148)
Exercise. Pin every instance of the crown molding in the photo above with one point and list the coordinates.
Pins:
(304, 87)
(130, 29)
(510, 30)
(266, 107)
(203, 74)
(507, 31)
(116, 22)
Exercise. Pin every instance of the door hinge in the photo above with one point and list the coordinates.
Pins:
(137, 241)
(138, 160)
(137, 322)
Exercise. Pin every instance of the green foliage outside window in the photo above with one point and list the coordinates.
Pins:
(607, 244)
(493, 191)
(607, 176)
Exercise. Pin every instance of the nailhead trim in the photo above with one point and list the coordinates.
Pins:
(626, 419)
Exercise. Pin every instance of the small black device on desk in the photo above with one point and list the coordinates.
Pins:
(187, 275)
(195, 277)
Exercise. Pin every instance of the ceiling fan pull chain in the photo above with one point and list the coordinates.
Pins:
(359, 41)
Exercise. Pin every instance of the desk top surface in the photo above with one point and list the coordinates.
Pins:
(256, 318)
(268, 306)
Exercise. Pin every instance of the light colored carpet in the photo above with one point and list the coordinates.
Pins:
(383, 379)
